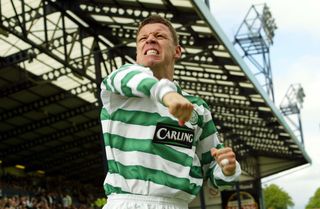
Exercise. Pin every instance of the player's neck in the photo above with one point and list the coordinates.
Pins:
(160, 74)
(163, 72)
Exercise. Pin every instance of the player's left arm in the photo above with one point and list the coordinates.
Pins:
(211, 158)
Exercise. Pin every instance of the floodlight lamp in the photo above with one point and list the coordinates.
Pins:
(300, 96)
(266, 12)
(268, 23)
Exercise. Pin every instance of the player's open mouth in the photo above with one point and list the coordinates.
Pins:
(151, 52)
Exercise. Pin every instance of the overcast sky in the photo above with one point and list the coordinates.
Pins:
(295, 58)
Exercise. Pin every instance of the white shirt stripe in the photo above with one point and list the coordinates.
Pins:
(127, 130)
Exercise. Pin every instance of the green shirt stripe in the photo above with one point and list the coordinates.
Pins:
(111, 189)
(114, 73)
(206, 158)
(124, 87)
(145, 85)
(104, 115)
(166, 152)
(140, 118)
(156, 176)
(105, 82)
(208, 129)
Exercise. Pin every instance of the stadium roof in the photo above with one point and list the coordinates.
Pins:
(55, 52)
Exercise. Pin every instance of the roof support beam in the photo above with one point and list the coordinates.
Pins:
(13, 59)
(49, 137)
(46, 44)
(47, 121)
(45, 101)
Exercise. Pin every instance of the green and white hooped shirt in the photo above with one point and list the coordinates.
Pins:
(148, 153)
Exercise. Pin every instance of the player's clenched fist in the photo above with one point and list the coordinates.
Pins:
(178, 106)
(226, 159)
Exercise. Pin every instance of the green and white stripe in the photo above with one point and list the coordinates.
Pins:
(132, 108)
(119, 184)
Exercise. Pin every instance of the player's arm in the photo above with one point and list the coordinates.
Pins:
(178, 106)
(132, 80)
(219, 175)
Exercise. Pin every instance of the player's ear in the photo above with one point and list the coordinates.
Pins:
(178, 52)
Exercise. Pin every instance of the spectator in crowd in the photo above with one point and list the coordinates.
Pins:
(18, 194)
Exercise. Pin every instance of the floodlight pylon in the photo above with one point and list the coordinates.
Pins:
(254, 36)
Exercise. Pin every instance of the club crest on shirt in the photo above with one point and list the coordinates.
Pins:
(194, 117)
(173, 135)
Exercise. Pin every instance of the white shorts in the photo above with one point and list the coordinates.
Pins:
(129, 201)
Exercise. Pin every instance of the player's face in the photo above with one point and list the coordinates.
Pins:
(155, 46)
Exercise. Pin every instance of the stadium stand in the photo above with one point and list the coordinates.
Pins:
(53, 56)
